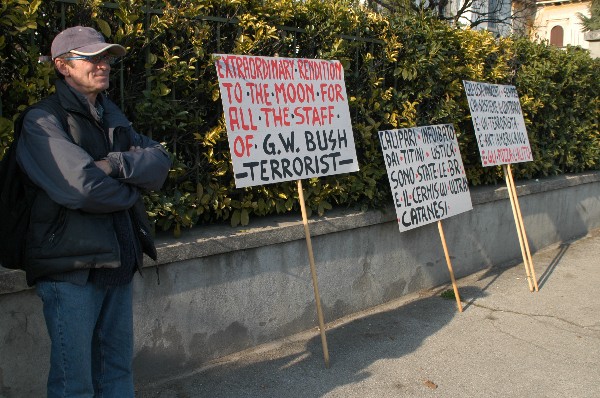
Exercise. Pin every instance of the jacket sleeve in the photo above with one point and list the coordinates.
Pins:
(65, 171)
(146, 168)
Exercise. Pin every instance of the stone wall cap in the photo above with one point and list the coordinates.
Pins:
(203, 241)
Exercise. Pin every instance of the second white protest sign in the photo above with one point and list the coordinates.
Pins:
(426, 174)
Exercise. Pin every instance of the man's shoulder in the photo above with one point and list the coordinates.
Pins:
(45, 108)
(50, 104)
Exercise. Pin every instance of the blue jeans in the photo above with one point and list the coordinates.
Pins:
(91, 331)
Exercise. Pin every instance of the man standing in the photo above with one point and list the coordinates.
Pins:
(88, 226)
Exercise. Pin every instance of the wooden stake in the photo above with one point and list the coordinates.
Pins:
(443, 238)
(514, 209)
(313, 273)
(520, 216)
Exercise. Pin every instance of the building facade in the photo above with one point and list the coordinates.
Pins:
(558, 22)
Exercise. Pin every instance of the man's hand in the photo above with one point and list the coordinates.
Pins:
(104, 165)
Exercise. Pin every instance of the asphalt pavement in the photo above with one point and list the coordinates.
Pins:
(507, 342)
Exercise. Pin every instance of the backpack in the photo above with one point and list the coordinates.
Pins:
(17, 193)
(15, 205)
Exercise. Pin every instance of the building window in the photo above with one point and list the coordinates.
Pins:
(556, 36)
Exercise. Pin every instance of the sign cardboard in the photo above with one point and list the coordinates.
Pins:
(426, 174)
(498, 122)
(287, 118)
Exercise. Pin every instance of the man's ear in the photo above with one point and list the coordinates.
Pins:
(61, 66)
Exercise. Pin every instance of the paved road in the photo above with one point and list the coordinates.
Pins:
(508, 342)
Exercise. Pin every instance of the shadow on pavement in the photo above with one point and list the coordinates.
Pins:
(553, 264)
(298, 370)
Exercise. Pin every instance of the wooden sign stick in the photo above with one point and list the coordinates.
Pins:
(313, 273)
(518, 207)
(512, 203)
(443, 238)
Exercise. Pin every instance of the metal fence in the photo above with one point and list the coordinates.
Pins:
(64, 13)
(220, 23)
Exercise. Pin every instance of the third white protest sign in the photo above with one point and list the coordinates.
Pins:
(498, 122)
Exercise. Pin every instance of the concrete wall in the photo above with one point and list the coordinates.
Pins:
(593, 38)
(223, 290)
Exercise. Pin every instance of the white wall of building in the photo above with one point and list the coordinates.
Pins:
(553, 13)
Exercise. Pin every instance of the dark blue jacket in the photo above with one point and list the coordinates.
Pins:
(71, 225)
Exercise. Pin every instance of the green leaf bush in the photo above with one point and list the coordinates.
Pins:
(400, 71)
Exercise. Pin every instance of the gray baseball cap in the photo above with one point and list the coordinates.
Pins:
(82, 40)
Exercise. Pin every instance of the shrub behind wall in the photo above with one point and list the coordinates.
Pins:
(400, 71)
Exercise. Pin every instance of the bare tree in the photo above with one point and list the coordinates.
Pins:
(499, 16)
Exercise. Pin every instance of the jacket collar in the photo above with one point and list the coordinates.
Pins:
(76, 102)
(71, 100)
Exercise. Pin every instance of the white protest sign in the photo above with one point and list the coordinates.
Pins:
(498, 122)
(287, 118)
(426, 174)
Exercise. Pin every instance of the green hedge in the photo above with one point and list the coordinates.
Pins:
(400, 71)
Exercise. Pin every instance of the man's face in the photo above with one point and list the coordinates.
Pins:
(88, 75)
